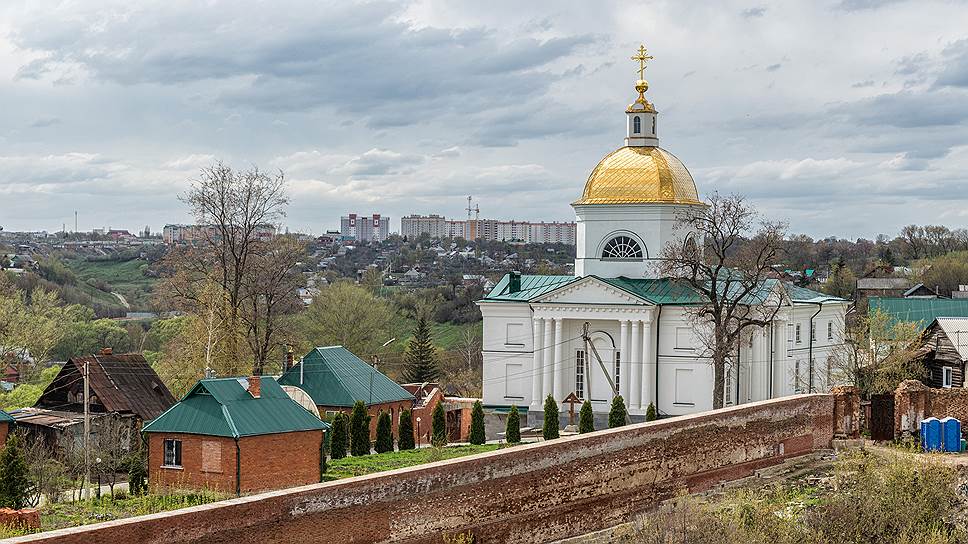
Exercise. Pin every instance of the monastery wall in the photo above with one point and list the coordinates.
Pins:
(529, 493)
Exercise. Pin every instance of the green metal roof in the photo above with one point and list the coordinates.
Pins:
(919, 310)
(660, 291)
(333, 376)
(224, 407)
(6, 418)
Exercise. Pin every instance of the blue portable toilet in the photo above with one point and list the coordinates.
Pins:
(931, 434)
(951, 435)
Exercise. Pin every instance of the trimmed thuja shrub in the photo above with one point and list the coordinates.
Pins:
(550, 430)
(405, 430)
(384, 433)
(438, 426)
(359, 430)
(339, 437)
(616, 416)
(14, 483)
(137, 474)
(650, 414)
(512, 433)
(477, 424)
(586, 419)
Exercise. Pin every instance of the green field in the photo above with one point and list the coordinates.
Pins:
(368, 464)
(124, 277)
(447, 336)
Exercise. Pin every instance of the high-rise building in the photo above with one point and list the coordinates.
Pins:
(489, 229)
(373, 228)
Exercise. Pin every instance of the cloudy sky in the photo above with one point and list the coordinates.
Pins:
(844, 117)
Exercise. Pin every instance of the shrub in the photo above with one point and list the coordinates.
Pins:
(650, 413)
(359, 430)
(438, 427)
(405, 431)
(550, 429)
(384, 433)
(512, 433)
(338, 438)
(617, 415)
(137, 474)
(586, 418)
(14, 481)
(477, 424)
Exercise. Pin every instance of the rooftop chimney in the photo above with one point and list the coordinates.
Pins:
(289, 358)
(514, 282)
(106, 351)
(255, 386)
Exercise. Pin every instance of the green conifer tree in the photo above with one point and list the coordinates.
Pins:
(14, 481)
(551, 423)
(477, 424)
(421, 356)
(650, 413)
(405, 430)
(384, 433)
(438, 426)
(339, 437)
(586, 419)
(616, 416)
(512, 432)
(359, 430)
(137, 474)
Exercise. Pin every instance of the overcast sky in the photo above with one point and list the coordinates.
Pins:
(843, 117)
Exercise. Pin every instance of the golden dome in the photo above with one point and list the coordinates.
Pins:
(640, 175)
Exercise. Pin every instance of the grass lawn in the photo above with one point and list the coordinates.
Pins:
(125, 277)
(379, 462)
(447, 336)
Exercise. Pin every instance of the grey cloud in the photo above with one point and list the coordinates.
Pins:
(773, 67)
(908, 109)
(861, 5)
(955, 71)
(751, 13)
(44, 122)
(863, 84)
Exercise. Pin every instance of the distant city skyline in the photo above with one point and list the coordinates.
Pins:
(844, 117)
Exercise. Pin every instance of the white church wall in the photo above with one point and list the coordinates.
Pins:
(508, 341)
(685, 376)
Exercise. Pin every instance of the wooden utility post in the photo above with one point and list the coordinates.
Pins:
(87, 427)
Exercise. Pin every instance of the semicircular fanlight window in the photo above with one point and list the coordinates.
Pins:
(622, 248)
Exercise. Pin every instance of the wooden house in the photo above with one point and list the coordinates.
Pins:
(944, 352)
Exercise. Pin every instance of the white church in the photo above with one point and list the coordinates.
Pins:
(534, 343)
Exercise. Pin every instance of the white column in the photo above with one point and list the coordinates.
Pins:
(780, 364)
(648, 371)
(537, 323)
(547, 369)
(758, 363)
(559, 370)
(624, 357)
(636, 361)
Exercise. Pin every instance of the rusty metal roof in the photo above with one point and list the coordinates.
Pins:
(122, 383)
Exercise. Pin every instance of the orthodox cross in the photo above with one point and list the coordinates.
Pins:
(643, 58)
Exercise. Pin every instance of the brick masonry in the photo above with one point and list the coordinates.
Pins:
(914, 401)
(530, 493)
(271, 461)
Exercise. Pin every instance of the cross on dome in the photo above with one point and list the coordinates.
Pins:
(643, 58)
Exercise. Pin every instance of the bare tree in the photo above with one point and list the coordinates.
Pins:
(878, 353)
(729, 272)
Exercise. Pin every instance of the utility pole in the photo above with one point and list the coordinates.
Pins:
(608, 375)
(87, 427)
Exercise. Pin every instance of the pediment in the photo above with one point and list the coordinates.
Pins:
(589, 290)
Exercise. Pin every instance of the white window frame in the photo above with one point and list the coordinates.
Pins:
(947, 377)
(172, 451)
(618, 370)
(580, 374)
(830, 330)
(796, 334)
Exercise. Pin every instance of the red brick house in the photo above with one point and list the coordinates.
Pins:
(336, 379)
(235, 435)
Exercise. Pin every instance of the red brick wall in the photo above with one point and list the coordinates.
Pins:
(374, 411)
(272, 461)
(4, 429)
(528, 493)
(914, 401)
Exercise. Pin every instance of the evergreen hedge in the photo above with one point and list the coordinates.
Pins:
(616, 416)
(438, 427)
(14, 481)
(339, 437)
(586, 419)
(550, 429)
(384, 433)
(512, 432)
(477, 424)
(359, 430)
(405, 430)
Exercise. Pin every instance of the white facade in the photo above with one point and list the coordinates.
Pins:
(375, 228)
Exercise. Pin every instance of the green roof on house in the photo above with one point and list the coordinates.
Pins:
(661, 291)
(6, 418)
(224, 407)
(918, 310)
(333, 376)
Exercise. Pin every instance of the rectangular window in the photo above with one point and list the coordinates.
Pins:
(211, 456)
(797, 333)
(515, 334)
(173, 450)
(830, 330)
(813, 331)
(946, 376)
(580, 374)
(512, 381)
(618, 369)
(684, 386)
